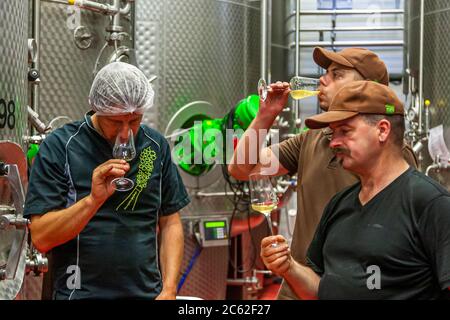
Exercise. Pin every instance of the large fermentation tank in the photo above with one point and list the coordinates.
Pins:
(66, 64)
(206, 55)
(13, 75)
(14, 26)
(436, 74)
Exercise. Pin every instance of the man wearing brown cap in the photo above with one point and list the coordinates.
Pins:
(308, 154)
(385, 237)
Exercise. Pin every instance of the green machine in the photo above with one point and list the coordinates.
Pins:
(202, 136)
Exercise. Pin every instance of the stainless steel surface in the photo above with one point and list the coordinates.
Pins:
(12, 154)
(10, 289)
(421, 46)
(269, 39)
(341, 12)
(264, 35)
(319, 29)
(36, 36)
(374, 43)
(200, 50)
(207, 278)
(297, 38)
(436, 74)
(13, 70)
(67, 71)
(296, 103)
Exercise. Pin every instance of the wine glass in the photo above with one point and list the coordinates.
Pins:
(262, 197)
(263, 89)
(124, 149)
(302, 87)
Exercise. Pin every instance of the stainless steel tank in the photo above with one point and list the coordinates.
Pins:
(66, 61)
(436, 74)
(206, 55)
(13, 70)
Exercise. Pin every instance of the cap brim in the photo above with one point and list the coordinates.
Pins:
(324, 119)
(324, 58)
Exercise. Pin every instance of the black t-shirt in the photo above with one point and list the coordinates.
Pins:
(396, 246)
(116, 253)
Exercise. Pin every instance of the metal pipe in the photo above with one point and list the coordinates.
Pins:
(341, 12)
(126, 10)
(422, 11)
(93, 6)
(391, 28)
(35, 34)
(297, 60)
(263, 65)
(215, 194)
(116, 17)
(388, 43)
(431, 167)
(242, 282)
(64, 2)
(297, 38)
(269, 41)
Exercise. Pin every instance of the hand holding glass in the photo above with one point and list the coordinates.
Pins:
(124, 149)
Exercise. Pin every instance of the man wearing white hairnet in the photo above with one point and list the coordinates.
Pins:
(104, 243)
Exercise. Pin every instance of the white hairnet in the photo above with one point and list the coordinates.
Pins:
(120, 88)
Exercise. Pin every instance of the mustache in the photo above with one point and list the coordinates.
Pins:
(340, 150)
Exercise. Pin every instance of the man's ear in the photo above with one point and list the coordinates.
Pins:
(384, 129)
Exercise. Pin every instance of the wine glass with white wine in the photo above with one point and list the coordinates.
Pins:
(262, 197)
(301, 87)
(124, 149)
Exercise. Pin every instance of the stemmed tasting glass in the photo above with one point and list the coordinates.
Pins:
(262, 197)
(124, 149)
(301, 87)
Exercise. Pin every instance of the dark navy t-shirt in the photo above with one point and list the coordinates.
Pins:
(396, 246)
(116, 254)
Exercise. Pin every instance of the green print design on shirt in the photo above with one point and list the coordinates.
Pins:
(146, 159)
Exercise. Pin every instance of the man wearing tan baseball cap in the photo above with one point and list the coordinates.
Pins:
(347, 65)
(385, 237)
(359, 97)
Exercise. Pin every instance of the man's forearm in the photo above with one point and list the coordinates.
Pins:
(57, 227)
(245, 156)
(303, 280)
(171, 254)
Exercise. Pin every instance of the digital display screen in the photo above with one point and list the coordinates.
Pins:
(215, 230)
(215, 224)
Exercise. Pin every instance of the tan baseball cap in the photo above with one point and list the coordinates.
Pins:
(365, 61)
(358, 97)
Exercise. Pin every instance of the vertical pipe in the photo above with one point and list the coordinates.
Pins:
(269, 41)
(35, 34)
(297, 37)
(133, 24)
(116, 17)
(297, 61)
(422, 18)
(245, 45)
(263, 66)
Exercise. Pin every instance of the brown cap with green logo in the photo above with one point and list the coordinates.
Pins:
(358, 97)
(365, 61)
